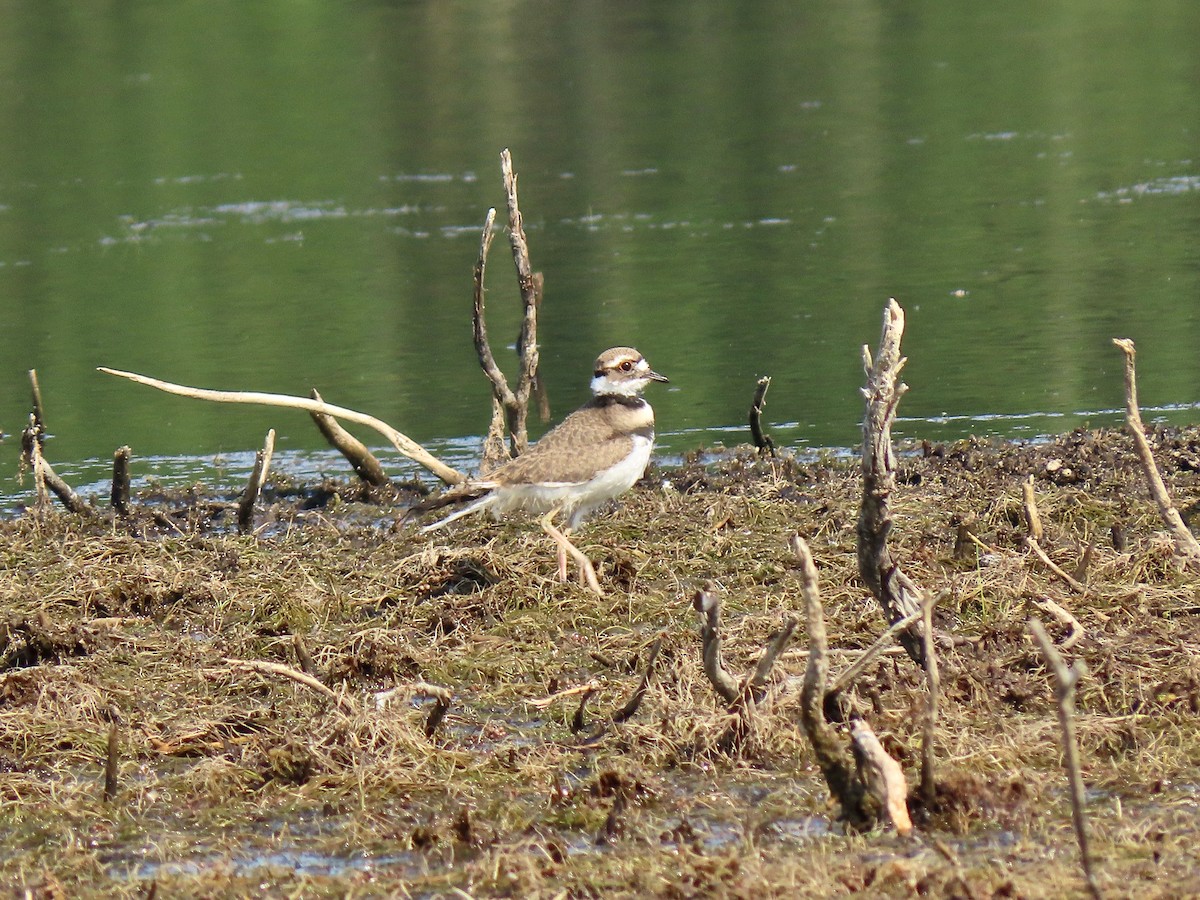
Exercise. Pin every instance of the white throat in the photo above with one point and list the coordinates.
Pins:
(603, 386)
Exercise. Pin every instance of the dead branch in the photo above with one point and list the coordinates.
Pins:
(843, 784)
(855, 669)
(1065, 680)
(630, 707)
(896, 592)
(401, 442)
(708, 606)
(39, 411)
(933, 683)
(302, 678)
(365, 464)
(119, 498)
(503, 399)
(112, 761)
(1185, 542)
(44, 475)
(762, 440)
(258, 476)
(304, 657)
(531, 290)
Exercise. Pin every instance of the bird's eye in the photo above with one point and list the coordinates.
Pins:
(627, 366)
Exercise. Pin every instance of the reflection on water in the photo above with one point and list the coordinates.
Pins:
(233, 196)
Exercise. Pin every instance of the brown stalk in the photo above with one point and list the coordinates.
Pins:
(120, 482)
(258, 476)
(762, 440)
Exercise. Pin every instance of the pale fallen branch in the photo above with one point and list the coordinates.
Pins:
(1185, 541)
(856, 668)
(1033, 522)
(302, 678)
(1063, 615)
(401, 442)
(1065, 680)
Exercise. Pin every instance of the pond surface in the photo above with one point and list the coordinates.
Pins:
(276, 197)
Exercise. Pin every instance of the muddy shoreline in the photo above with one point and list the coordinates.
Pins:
(229, 780)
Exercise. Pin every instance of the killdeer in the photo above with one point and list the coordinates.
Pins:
(592, 456)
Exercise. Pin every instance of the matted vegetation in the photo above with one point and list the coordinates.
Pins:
(231, 780)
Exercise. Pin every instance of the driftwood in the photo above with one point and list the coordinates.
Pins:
(1065, 680)
(1185, 542)
(896, 592)
(874, 785)
(44, 476)
(401, 442)
(362, 460)
(762, 440)
(258, 476)
(510, 407)
(933, 683)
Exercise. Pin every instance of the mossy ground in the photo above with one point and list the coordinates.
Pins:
(231, 782)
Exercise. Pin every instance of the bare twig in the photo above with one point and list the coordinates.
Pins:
(495, 451)
(762, 440)
(401, 442)
(1033, 521)
(1185, 541)
(304, 657)
(362, 460)
(896, 592)
(441, 696)
(756, 684)
(120, 481)
(258, 476)
(855, 669)
(933, 683)
(302, 678)
(1065, 679)
(629, 710)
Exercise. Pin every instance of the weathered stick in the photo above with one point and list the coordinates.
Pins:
(495, 450)
(896, 592)
(855, 669)
(39, 411)
(1063, 615)
(843, 785)
(362, 460)
(401, 442)
(112, 762)
(629, 710)
(708, 606)
(1065, 679)
(302, 678)
(441, 696)
(120, 481)
(762, 440)
(258, 476)
(1185, 541)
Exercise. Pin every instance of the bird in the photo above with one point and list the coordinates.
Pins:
(594, 455)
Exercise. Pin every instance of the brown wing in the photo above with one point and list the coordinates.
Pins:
(581, 445)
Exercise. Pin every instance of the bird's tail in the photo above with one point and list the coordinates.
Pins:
(475, 496)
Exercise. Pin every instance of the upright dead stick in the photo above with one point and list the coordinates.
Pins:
(531, 290)
(258, 476)
(120, 481)
(1065, 679)
(401, 442)
(39, 412)
(762, 440)
(896, 592)
(503, 399)
(1185, 541)
(44, 475)
(362, 460)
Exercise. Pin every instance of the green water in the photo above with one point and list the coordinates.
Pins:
(276, 196)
